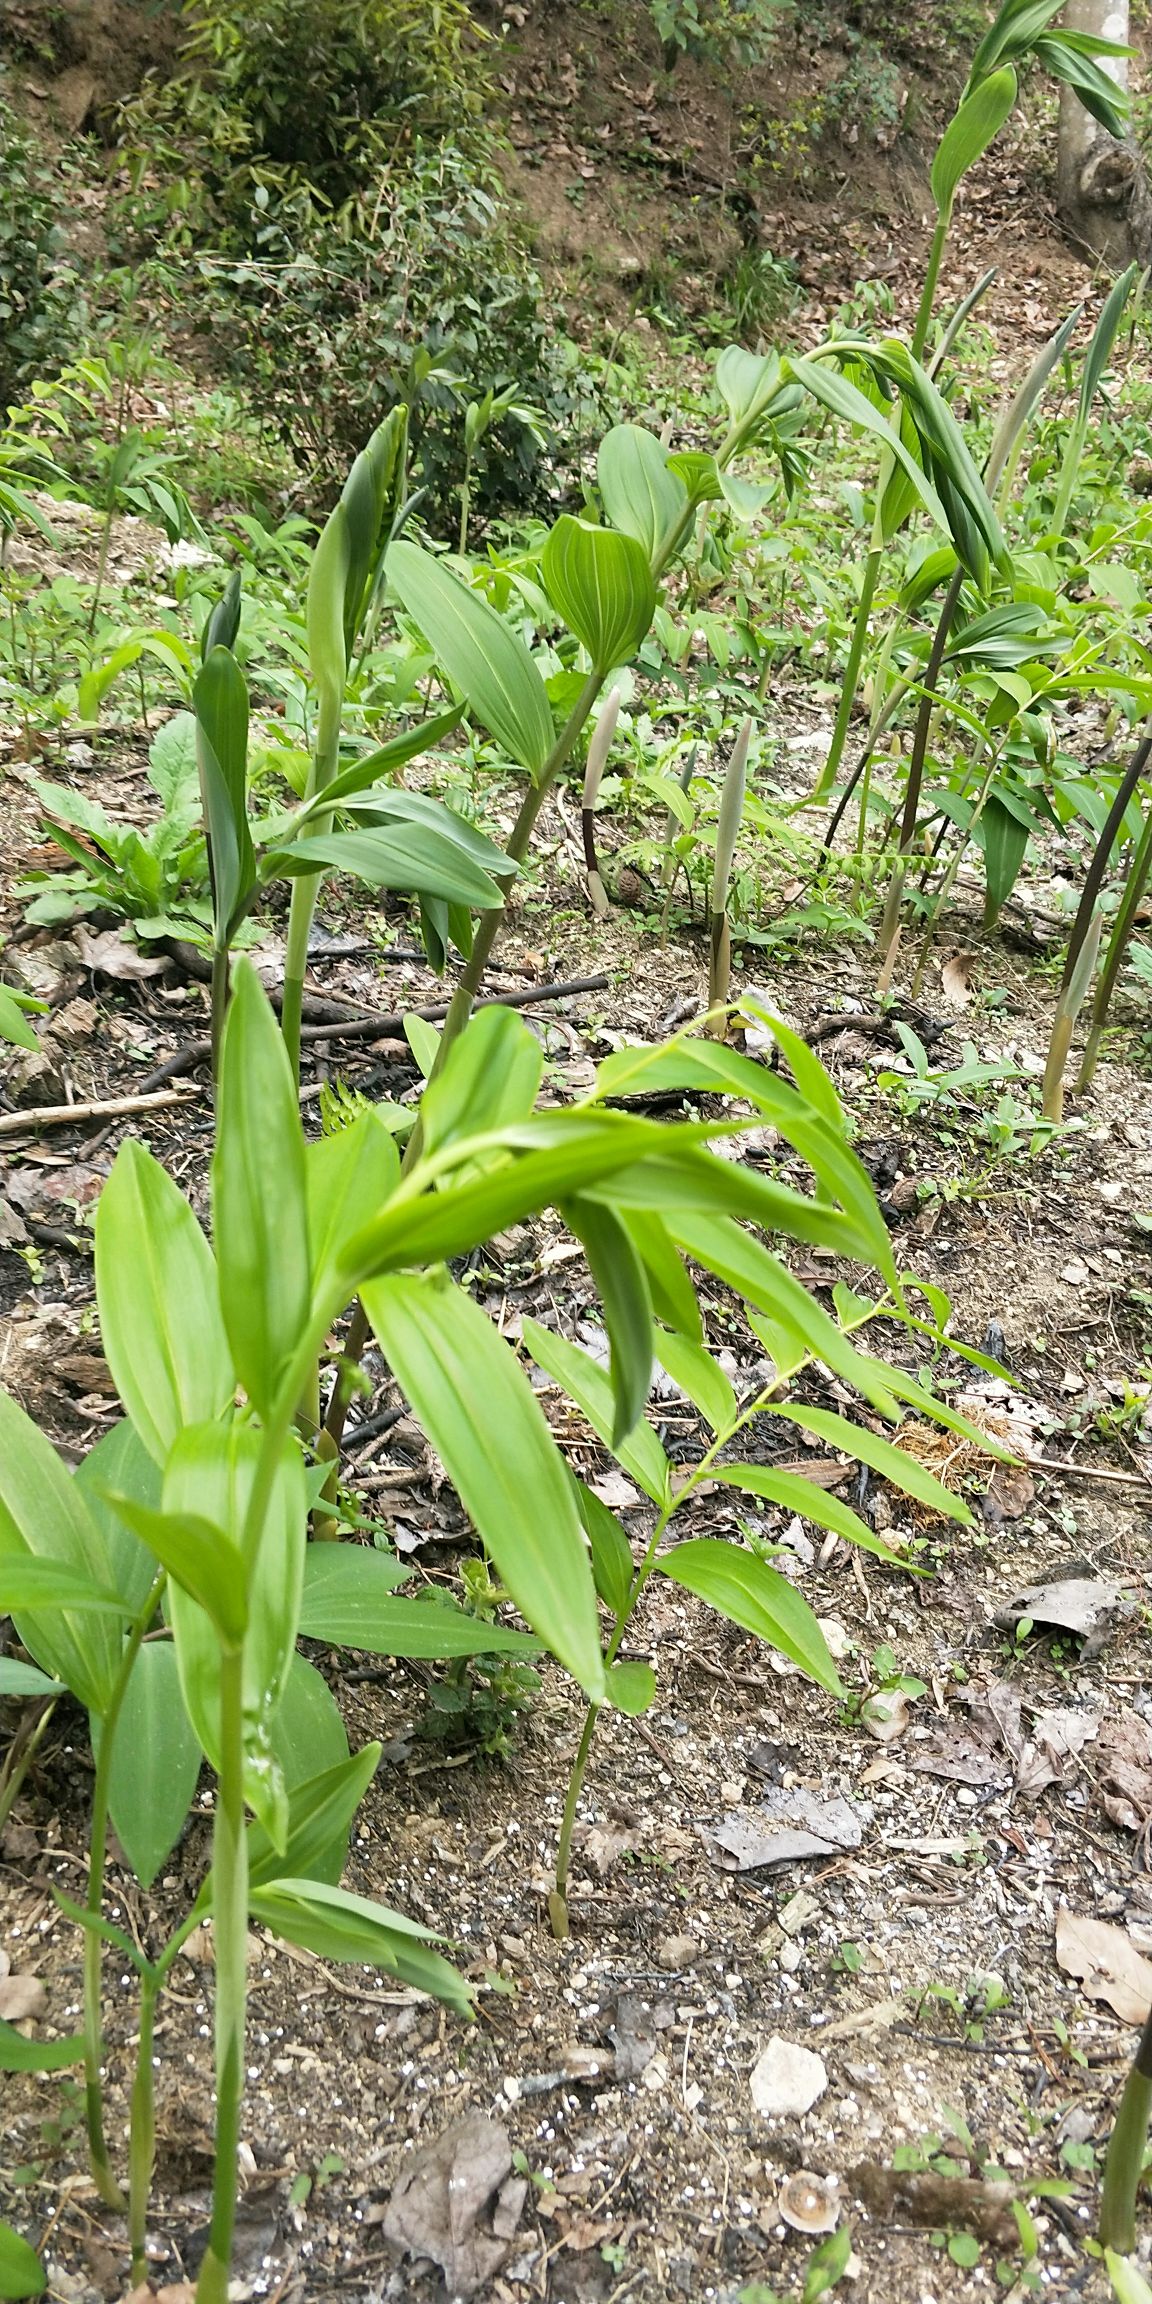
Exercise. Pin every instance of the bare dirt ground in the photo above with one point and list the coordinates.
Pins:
(620, 2062)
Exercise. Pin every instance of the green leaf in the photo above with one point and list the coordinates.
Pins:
(673, 1296)
(213, 1469)
(577, 1374)
(199, 1557)
(613, 1567)
(753, 1595)
(641, 495)
(321, 1810)
(620, 1278)
(17, 1679)
(259, 1195)
(894, 1464)
(748, 383)
(396, 753)
(1128, 2283)
(632, 1687)
(1098, 93)
(120, 1461)
(52, 1550)
(477, 1408)
(412, 857)
(481, 654)
(307, 1732)
(424, 1040)
(602, 585)
(220, 701)
(845, 400)
(725, 1248)
(20, 2055)
(349, 1177)
(338, 1926)
(155, 1762)
(490, 1076)
(796, 1494)
(1004, 838)
(979, 119)
(377, 1623)
(21, 2272)
(159, 1303)
(698, 1375)
(14, 1025)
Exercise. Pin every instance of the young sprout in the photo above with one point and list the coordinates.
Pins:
(727, 833)
(598, 750)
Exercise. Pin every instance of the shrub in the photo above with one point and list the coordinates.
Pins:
(39, 289)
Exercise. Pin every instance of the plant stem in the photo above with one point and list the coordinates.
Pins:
(1117, 946)
(230, 1911)
(851, 680)
(102, 2175)
(21, 1753)
(931, 279)
(325, 760)
(558, 1902)
(221, 976)
(142, 2150)
(1124, 2163)
(928, 701)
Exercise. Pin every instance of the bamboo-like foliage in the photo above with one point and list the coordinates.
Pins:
(727, 834)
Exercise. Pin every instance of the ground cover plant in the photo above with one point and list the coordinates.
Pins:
(574, 1575)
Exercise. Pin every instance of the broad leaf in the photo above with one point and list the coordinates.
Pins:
(348, 1599)
(755, 1596)
(307, 1731)
(1003, 835)
(159, 1302)
(613, 1567)
(201, 1559)
(699, 1376)
(474, 1401)
(641, 495)
(155, 1762)
(259, 1196)
(349, 1177)
(481, 654)
(17, 1679)
(321, 1809)
(632, 1687)
(490, 1076)
(602, 585)
(120, 1461)
(21, 2271)
(408, 857)
(49, 1539)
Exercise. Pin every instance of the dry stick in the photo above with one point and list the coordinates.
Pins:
(115, 1108)
(1091, 1472)
(197, 1052)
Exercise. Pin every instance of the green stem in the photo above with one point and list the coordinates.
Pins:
(102, 2175)
(305, 892)
(21, 1753)
(221, 977)
(851, 680)
(928, 702)
(230, 1912)
(142, 2152)
(931, 280)
(1117, 946)
(1124, 2163)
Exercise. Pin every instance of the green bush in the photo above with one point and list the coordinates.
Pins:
(324, 168)
(40, 304)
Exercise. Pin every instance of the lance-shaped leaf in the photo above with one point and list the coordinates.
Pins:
(349, 1177)
(895, 1464)
(482, 656)
(479, 1411)
(613, 1567)
(120, 1461)
(259, 1195)
(47, 1531)
(409, 857)
(588, 1385)
(348, 1599)
(1070, 56)
(844, 399)
(796, 1495)
(159, 1302)
(641, 494)
(223, 621)
(345, 565)
(201, 1559)
(20, 2055)
(339, 1926)
(699, 1376)
(1003, 833)
(220, 702)
(155, 1761)
(620, 1277)
(602, 585)
(756, 1597)
(980, 118)
(490, 1077)
(394, 754)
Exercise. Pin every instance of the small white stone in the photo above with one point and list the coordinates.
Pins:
(787, 2080)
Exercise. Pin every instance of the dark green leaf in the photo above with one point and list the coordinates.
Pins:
(21, 2272)
(339, 1926)
(613, 1567)
(622, 1283)
(753, 1595)
(20, 2055)
(155, 1762)
(588, 1385)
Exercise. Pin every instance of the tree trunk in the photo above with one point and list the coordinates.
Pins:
(1101, 188)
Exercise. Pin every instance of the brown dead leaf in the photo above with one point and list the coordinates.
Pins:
(602, 1846)
(1010, 1493)
(1106, 1963)
(108, 953)
(915, 2197)
(1124, 1748)
(956, 979)
(22, 1998)
(787, 1825)
(439, 2201)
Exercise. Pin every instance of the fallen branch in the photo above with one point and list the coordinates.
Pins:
(1091, 1472)
(197, 1052)
(60, 1115)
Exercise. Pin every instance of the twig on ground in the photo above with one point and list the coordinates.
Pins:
(1091, 1472)
(62, 1115)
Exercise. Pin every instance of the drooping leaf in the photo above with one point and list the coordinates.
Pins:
(898, 1465)
(120, 1461)
(259, 1195)
(321, 1809)
(159, 1303)
(483, 1419)
(621, 1281)
(349, 1599)
(201, 1559)
(339, 1926)
(632, 1687)
(699, 1376)
(220, 702)
(796, 1494)
(577, 1374)
(349, 1177)
(70, 1617)
(601, 583)
(613, 1567)
(481, 654)
(1003, 835)
(20, 2055)
(18, 1679)
(408, 857)
(755, 1596)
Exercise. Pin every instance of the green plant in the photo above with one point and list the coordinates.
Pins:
(824, 2270)
(727, 834)
(157, 879)
(41, 310)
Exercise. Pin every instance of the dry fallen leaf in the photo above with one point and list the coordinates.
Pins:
(22, 1998)
(110, 954)
(1124, 1748)
(1104, 1961)
(787, 1825)
(956, 979)
(443, 2192)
